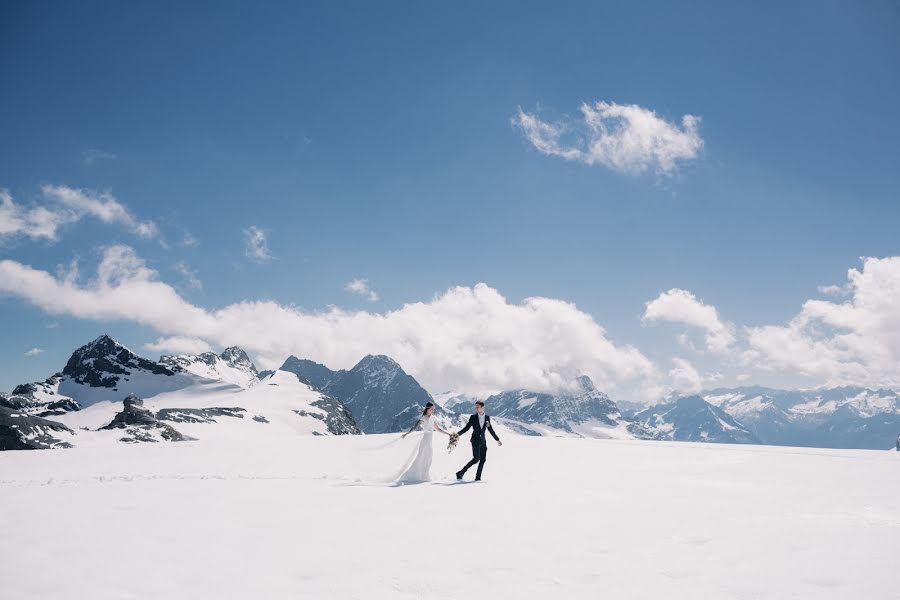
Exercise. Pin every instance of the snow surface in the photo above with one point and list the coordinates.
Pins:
(526, 402)
(276, 399)
(575, 518)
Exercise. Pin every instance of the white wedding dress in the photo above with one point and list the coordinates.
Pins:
(418, 465)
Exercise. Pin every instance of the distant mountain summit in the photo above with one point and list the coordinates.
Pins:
(582, 410)
(381, 395)
(840, 417)
(692, 419)
(316, 374)
(232, 366)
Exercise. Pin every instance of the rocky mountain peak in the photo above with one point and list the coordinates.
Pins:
(236, 357)
(101, 363)
(378, 370)
(232, 366)
(377, 361)
(691, 418)
(585, 384)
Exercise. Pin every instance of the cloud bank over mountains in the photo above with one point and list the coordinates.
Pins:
(474, 339)
(468, 338)
(849, 341)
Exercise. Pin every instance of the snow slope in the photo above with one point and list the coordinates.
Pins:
(232, 366)
(279, 407)
(557, 517)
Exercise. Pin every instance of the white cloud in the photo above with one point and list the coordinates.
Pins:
(256, 245)
(467, 339)
(851, 341)
(360, 287)
(178, 345)
(685, 378)
(840, 342)
(834, 290)
(92, 155)
(101, 205)
(34, 352)
(189, 275)
(188, 240)
(626, 138)
(681, 306)
(35, 222)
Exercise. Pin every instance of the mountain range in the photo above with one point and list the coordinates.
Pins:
(840, 417)
(107, 393)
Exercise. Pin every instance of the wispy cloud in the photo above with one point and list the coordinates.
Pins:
(34, 352)
(834, 290)
(64, 206)
(360, 287)
(101, 205)
(93, 155)
(35, 222)
(179, 345)
(188, 240)
(256, 245)
(626, 138)
(188, 274)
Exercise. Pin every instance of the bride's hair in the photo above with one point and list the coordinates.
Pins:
(427, 406)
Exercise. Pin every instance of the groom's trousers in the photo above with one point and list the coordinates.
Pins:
(479, 455)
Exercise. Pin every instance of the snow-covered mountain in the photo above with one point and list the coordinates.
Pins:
(101, 370)
(842, 417)
(692, 419)
(106, 392)
(582, 410)
(233, 366)
(381, 395)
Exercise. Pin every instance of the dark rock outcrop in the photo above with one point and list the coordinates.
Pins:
(19, 431)
(140, 424)
(199, 415)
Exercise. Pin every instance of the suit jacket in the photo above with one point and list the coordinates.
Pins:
(478, 434)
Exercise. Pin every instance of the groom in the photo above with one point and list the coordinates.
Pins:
(479, 423)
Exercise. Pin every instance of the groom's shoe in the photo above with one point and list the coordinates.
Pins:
(459, 475)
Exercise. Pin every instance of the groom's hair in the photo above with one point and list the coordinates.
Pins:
(479, 403)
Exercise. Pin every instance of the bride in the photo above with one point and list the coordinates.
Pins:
(419, 463)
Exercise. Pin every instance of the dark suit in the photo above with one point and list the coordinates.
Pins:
(479, 444)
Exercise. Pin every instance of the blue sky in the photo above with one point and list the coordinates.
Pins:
(379, 143)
